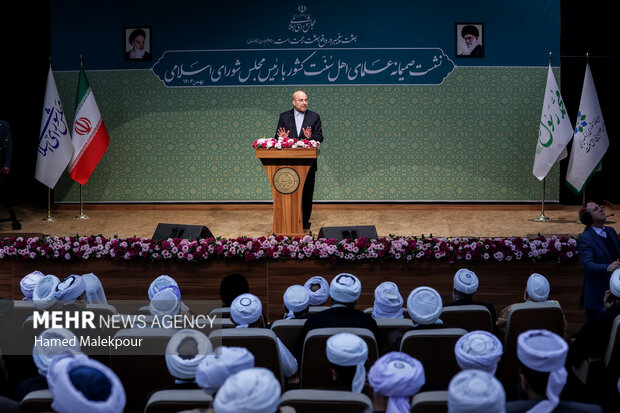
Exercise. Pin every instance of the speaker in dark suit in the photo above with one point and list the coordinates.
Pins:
(301, 123)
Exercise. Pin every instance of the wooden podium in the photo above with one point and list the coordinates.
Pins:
(287, 169)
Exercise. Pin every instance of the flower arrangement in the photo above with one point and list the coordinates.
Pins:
(278, 247)
(280, 143)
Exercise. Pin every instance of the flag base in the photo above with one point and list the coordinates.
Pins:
(48, 219)
(542, 218)
(81, 216)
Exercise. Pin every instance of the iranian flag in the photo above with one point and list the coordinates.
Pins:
(90, 137)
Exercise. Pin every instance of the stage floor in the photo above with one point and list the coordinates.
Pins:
(233, 220)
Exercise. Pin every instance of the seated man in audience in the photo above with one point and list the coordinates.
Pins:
(475, 391)
(388, 301)
(318, 288)
(231, 287)
(184, 352)
(542, 355)
(28, 283)
(252, 390)
(344, 291)
(81, 384)
(296, 302)
(94, 290)
(215, 368)
(464, 287)
(43, 355)
(478, 350)
(591, 341)
(246, 311)
(43, 293)
(424, 306)
(397, 376)
(347, 354)
(536, 291)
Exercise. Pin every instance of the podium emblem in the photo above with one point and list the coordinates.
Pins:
(286, 180)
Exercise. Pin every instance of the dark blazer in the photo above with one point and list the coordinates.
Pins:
(312, 119)
(594, 260)
(337, 317)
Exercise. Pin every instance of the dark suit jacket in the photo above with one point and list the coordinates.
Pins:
(595, 259)
(337, 317)
(564, 407)
(312, 119)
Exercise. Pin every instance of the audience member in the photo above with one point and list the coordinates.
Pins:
(388, 301)
(475, 391)
(54, 341)
(464, 286)
(69, 290)
(160, 283)
(318, 288)
(542, 355)
(43, 294)
(232, 286)
(590, 343)
(184, 352)
(397, 376)
(478, 350)
(254, 390)
(215, 368)
(166, 302)
(599, 254)
(246, 311)
(80, 384)
(424, 306)
(344, 291)
(536, 291)
(28, 283)
(94, 290)
(347, 354)
(296, 302)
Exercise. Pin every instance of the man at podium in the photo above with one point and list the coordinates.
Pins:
(301, 123)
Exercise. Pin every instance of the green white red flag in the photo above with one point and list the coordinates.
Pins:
(90, 137)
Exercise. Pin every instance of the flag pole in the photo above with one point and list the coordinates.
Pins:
(543, 217)
(81, 216)
(49, 217)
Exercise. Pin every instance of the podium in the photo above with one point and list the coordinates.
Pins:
(287, 170)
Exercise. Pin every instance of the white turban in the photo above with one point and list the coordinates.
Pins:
(475, 391)
(345, 288)
(70, 289)
(424, 306)
(215, 368)
(185, 368)
(465, 281)
(28, 283)
(94, 377)
(246, 309)
(398, 376)
(159, 283)
(388, 301)
(479, 350)
(346, 349)
(165, 302)
(537, 287)
(254, 390)
(296, 299)
(319, 296)
(545, 351)
(614, 283)
(43, 294)
(44, 353)
(94, 289)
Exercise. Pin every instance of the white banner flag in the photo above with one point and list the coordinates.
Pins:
(554, 131)
(590, 141)
(55, 147)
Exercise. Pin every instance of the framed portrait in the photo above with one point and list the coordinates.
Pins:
(469, 39)
(138, 43)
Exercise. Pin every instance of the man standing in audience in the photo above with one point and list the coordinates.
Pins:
(599, 253)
